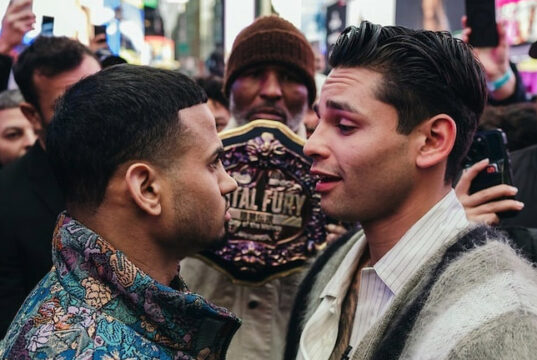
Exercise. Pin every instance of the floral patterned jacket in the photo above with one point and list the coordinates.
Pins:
(96, 304)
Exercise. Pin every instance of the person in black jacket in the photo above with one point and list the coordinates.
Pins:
(30, 198)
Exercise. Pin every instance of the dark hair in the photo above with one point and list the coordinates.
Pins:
(424, 73)
(122, 113)
(215, 63)
(213, 88)
(49, 56)
(518, 121)
(10, 99)
(107, 58)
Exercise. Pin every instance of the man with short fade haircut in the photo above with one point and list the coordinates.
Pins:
(269, 75)
(125, 144)
(30, 197)
(397, 115)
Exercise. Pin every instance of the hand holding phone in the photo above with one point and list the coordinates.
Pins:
(17, 21)
(492, 145)
(99, 29)
(485, 188)
(47, 26)
(481, 18)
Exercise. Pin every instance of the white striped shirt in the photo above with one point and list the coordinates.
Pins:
(378, 284)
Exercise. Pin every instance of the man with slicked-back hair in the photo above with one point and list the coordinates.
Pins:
(397, 115)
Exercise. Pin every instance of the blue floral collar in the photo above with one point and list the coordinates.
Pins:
(96, 273)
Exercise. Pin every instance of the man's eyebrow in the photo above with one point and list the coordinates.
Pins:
(218, 153)
(344, 106)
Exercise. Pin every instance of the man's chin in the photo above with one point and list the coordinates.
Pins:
(218, 243)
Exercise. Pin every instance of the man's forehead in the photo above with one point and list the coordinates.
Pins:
(348, 83)
(197, 119)
(276, 67)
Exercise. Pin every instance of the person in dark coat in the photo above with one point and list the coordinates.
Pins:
(30, 198)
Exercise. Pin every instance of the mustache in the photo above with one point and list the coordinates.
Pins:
(267, 108)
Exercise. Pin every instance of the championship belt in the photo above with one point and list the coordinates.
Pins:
(276, 220)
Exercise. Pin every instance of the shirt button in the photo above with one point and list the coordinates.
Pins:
(253, 304)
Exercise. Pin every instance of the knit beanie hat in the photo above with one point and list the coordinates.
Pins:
(271, 40)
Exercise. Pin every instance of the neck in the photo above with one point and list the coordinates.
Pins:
(130, 238)
(383, 234)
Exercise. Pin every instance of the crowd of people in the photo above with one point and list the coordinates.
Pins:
(111, 180)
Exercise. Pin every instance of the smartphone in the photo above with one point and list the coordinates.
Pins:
(491, 144)
(99, 29)
(481, 18)
(47, 26)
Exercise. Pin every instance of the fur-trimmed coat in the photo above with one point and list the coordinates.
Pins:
(476, 298)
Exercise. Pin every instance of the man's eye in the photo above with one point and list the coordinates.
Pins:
(215, 164)
(345, 129)
(289, 77)
(13, 135)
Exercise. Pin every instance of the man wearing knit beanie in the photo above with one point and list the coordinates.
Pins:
(269, 75)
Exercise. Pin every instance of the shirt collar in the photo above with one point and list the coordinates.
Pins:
(101, 276)
(439, 225)
(340, 281)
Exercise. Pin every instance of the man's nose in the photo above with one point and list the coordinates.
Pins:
(315, 146)
(227, 183)
(271, 87)
(29, 139)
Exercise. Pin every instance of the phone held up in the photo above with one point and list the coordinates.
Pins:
(481, 18)
(491, 144)
(47, 26)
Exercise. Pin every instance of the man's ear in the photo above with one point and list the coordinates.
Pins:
(437, 138)
(145, 188)
(31, 113)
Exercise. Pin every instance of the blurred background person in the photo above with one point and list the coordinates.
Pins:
(217, 102)
(518, 121)
(504, 83)
(215, 64)
(29, 192)
(16, 133)
(311, 120)
(504, 87)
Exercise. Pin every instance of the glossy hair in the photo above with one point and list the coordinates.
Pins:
(424, 73)
(122, 113)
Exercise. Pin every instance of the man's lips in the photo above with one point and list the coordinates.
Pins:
(267, 113)
(326, 181)
(227, 215)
